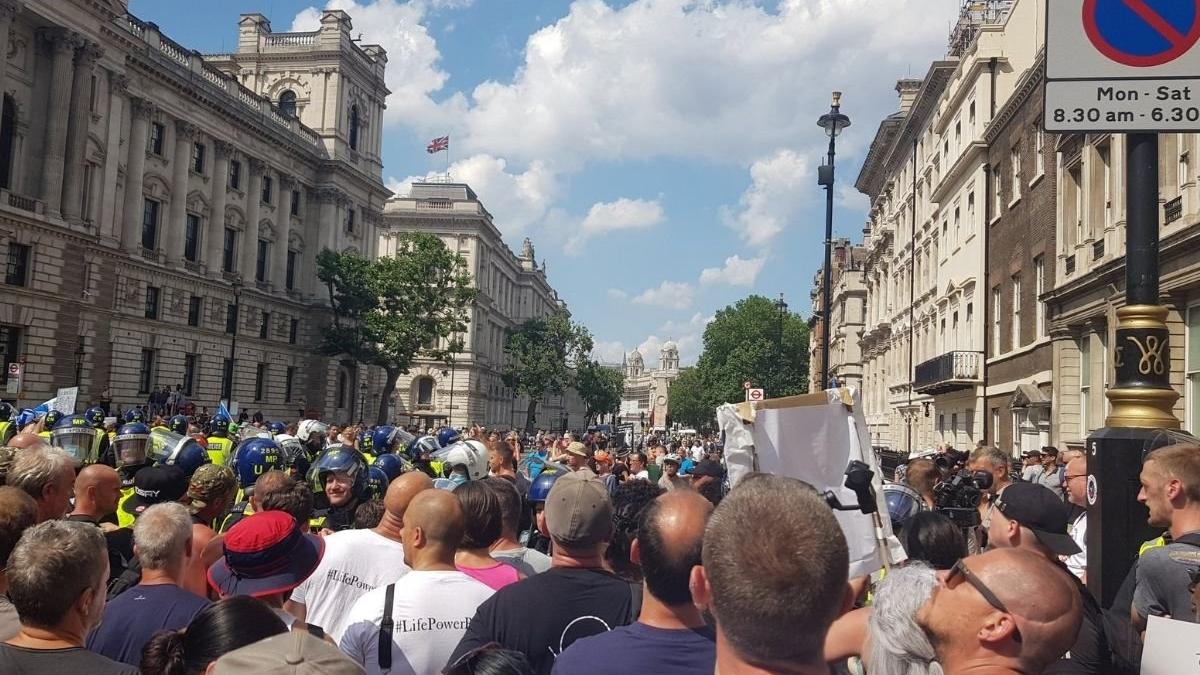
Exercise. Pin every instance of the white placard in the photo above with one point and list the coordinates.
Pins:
(1172, 647)
(65, 401)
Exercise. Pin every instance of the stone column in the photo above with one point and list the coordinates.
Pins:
(108, 221)
(140, 112)
(78, 121)
(173, 233)
(319, 234)
(62, 51)
(249, 250)
(283, 227)
(8, 11)
(214, 240)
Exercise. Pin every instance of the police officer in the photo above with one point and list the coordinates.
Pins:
(7, 428)
(254, 457)
(276, 429)
(135, 415)
(312, 434)
(421, 452)
(95, 417)
(339, 483)
(220, 447)
(464, 461)
(75, 435)
(53, 417)
(179, 425)
(538, 536)
(131, 448)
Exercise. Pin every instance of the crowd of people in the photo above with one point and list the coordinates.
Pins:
(171, 548)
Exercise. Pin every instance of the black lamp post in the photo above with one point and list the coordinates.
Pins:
(783, 308)
(237, 317)
(79, 354)
(362, 400)
(832, 122)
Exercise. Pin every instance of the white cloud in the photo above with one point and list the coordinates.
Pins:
(669, 294)
(617, 295)
(623, 214)
(608, 352)
(688, 335)
(779, 185)
(736, 272)
(515, 200)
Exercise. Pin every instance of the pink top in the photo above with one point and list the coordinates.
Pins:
(495, 577)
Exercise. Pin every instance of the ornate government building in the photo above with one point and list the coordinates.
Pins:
(645, 401)
(161, 211)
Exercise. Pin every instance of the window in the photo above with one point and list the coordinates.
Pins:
(260, 374)
(260, 264)
(88, 198)
(293, 330)
(295, 202)
(1015, 161)
(189, 373)
(264, 328)
(1185, 173)
(193, 317)
(266, 189)
(235, 174)
(10, 348)
(16, 272)
(288, 380)
(92, 97)
(198, 157)
(997, 200)
(226, 377)
(231, 319)
(995, 426)
(1085, 383)
(191, 238)
(287, 103)
(1016, 311)
(1039, 150)
(1039, 273)
(8, 133)
(353, 130)
(425, 391)
(1075, 186)
(970, 211)
(1192, 392)
(996, 314)
(343, 387)
(350, 220)
(957, 225)
(1106, 186)
(152, 295)
(157, 133)
(150, 225)
(146, 373)
(229, 258)
(291, 270)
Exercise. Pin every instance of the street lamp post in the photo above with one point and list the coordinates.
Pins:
(79, 354)
(362, 400)
(237, 318)
(782, 307)
(832, 122)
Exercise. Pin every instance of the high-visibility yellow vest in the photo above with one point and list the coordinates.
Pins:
(1151, 545)
(125, 518)
(219, 449)
(6, 432)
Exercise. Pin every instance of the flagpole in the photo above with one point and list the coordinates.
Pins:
(447, 159)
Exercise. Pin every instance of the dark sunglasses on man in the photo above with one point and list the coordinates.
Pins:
(960, 569)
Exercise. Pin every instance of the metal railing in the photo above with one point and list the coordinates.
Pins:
(952, 370)
(1173, 210)
(1097, 249)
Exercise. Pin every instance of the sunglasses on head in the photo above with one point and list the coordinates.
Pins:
(960, 569)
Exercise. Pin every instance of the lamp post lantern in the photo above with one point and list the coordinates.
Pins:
(832, 122)
(237, 317)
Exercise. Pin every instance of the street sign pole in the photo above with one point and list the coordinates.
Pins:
(1124, 67)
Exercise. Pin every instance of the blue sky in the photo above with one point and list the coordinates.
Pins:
(660, 153)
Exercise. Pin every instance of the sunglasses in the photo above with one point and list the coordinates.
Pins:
(960, 569)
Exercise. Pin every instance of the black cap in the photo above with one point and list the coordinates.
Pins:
(1045, 513)
(155, 485)
(707, 467)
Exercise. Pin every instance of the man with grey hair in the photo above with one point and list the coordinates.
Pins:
(776, 587)
(56, 580)
(48, 475)
(162, 542)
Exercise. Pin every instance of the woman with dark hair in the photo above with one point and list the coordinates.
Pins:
(483, 527)
(933, 538)
(218, 629)
(628, 502)
(490, 659)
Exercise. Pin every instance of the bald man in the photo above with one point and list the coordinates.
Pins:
(670, 635)
(26, 440)
(430, 606)
(97, 491)
(357, 561)
(1007, 610)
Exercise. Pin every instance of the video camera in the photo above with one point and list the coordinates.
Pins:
(959, 496)
(858, 478)
(951, 460)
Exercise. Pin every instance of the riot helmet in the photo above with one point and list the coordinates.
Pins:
(132, 444)
(254, 458)
(95, 416)
(463, 461)
(447, 436)
(134, 415)
(76, 436)
(345, 462)
(53, 418)
(179, 425)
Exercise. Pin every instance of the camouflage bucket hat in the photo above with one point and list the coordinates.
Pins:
(210, 482)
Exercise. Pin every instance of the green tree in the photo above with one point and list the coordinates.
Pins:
(542, 357)
(388, 310)
(600, 388)
(747, 342)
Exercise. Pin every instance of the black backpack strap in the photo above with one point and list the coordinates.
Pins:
(1191, 538)
(127, 580)
(385, 630)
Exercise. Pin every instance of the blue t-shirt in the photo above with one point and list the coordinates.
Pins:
(138, 613)
(638, 648)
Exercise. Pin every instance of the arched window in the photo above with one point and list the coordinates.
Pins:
(287, 103)
(354, 127)
(425, 391)
(8, 130)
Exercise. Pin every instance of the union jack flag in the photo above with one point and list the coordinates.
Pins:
(438, 145)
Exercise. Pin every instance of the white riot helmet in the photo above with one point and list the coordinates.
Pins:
(472, 455)
(309, 428)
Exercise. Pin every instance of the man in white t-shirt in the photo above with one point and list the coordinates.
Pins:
(357, 561)
(1075, 483)
(430, 606)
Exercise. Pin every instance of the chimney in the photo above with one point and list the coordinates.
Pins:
(907, 89)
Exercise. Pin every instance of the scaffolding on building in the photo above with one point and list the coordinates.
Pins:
(974, 15)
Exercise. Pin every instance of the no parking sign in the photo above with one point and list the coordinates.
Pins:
(1122, 65)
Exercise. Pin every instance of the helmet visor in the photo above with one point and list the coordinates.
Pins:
(162, 445)
(77, 442)
(132, 451)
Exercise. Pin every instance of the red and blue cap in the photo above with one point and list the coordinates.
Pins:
(265, 554)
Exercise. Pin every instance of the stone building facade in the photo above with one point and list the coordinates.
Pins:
(511, 289)
(646, 398)
(158, 206)
(848, 299)
(1021, 263)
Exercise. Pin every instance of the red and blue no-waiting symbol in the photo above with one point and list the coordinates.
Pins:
(1142, 33)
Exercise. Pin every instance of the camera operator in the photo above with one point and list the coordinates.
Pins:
(921, 475)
